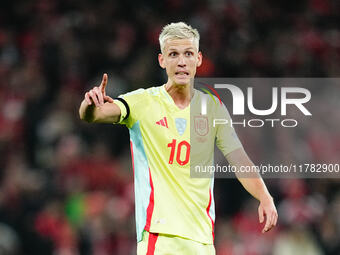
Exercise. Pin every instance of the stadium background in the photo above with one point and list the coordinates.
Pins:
(66, 186)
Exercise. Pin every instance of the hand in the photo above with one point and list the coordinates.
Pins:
(267, 209)
(97, 95)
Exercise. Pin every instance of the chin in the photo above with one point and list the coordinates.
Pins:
(183, 82)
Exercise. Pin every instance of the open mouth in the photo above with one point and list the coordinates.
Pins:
(182, 73)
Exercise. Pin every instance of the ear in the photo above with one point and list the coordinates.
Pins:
(161, 60)
(200, 58)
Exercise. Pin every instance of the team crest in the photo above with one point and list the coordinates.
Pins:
(201, 125)
(181, 125)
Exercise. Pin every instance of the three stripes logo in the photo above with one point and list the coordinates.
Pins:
(207, 90)
(163, 122)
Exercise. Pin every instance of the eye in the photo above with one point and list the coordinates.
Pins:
(172, 54)
(188, 53)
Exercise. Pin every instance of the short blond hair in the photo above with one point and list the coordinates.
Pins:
(179, 30)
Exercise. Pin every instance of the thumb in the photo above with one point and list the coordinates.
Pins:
(261, 214)
(108, 99)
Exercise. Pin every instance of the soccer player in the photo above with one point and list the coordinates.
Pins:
(174, 213)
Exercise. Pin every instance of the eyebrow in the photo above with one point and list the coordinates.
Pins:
(189, 48)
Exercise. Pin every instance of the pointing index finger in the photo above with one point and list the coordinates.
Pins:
(104, 82)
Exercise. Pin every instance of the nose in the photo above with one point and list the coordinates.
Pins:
(181, 61)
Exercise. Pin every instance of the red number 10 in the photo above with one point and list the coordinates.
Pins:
(172, 145)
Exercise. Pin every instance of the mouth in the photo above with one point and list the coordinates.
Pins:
(182, 73)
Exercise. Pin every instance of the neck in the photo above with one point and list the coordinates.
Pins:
(181, 94)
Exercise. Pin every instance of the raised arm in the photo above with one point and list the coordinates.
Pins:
(256, 187)
(98, 107)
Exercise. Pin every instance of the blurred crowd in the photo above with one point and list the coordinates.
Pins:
(66, 187)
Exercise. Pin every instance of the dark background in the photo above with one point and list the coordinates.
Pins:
(66, 187)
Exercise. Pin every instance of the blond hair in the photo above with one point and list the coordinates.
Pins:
(179, 30)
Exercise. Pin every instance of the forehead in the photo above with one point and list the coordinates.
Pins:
(179, 44)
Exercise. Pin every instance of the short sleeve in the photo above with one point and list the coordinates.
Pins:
(123, 110)
(130, 106)
(226, 137)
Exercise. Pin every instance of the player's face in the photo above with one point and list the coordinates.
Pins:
(180, 59)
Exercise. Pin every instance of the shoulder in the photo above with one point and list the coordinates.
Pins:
(144, 92)
(141, 96)
(137, 92)
(211, 100)
(211, 104)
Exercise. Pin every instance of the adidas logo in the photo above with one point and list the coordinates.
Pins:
(163, 122)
